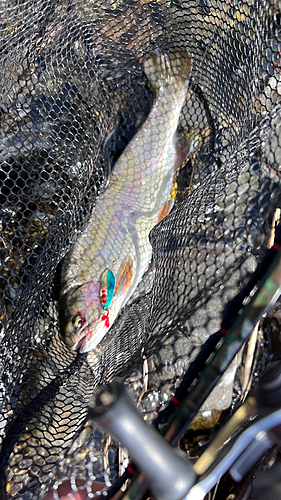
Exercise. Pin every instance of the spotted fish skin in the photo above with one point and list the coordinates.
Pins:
(136, 198)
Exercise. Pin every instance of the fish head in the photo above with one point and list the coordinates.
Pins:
(83, 320)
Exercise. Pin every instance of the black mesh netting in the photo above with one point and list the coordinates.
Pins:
(73, 94)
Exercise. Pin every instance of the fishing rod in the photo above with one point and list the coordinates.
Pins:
(186, 403)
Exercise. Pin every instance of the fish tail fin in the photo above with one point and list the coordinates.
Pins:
(164, 68)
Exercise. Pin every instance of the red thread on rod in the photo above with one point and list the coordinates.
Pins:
(130, 470)
(223, 331)
(176, 401)
(276, 246)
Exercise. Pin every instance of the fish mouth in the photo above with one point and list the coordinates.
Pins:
(91, 338)
(79, 344)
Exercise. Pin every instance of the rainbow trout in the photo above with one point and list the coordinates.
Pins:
(105, 265)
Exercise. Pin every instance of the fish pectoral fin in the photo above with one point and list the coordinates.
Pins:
(125, 277)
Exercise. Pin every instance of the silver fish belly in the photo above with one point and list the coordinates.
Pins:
(105, 265)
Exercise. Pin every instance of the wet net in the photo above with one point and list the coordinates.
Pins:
(73, 94)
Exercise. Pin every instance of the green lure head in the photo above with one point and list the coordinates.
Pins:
(107, 287)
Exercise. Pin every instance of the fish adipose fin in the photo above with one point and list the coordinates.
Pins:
(184, 146)
(162, 69)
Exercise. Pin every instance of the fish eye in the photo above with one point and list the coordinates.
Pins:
(78, 320)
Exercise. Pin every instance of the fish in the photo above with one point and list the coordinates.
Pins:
(106, 263)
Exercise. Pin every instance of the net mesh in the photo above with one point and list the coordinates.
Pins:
(73, 94)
